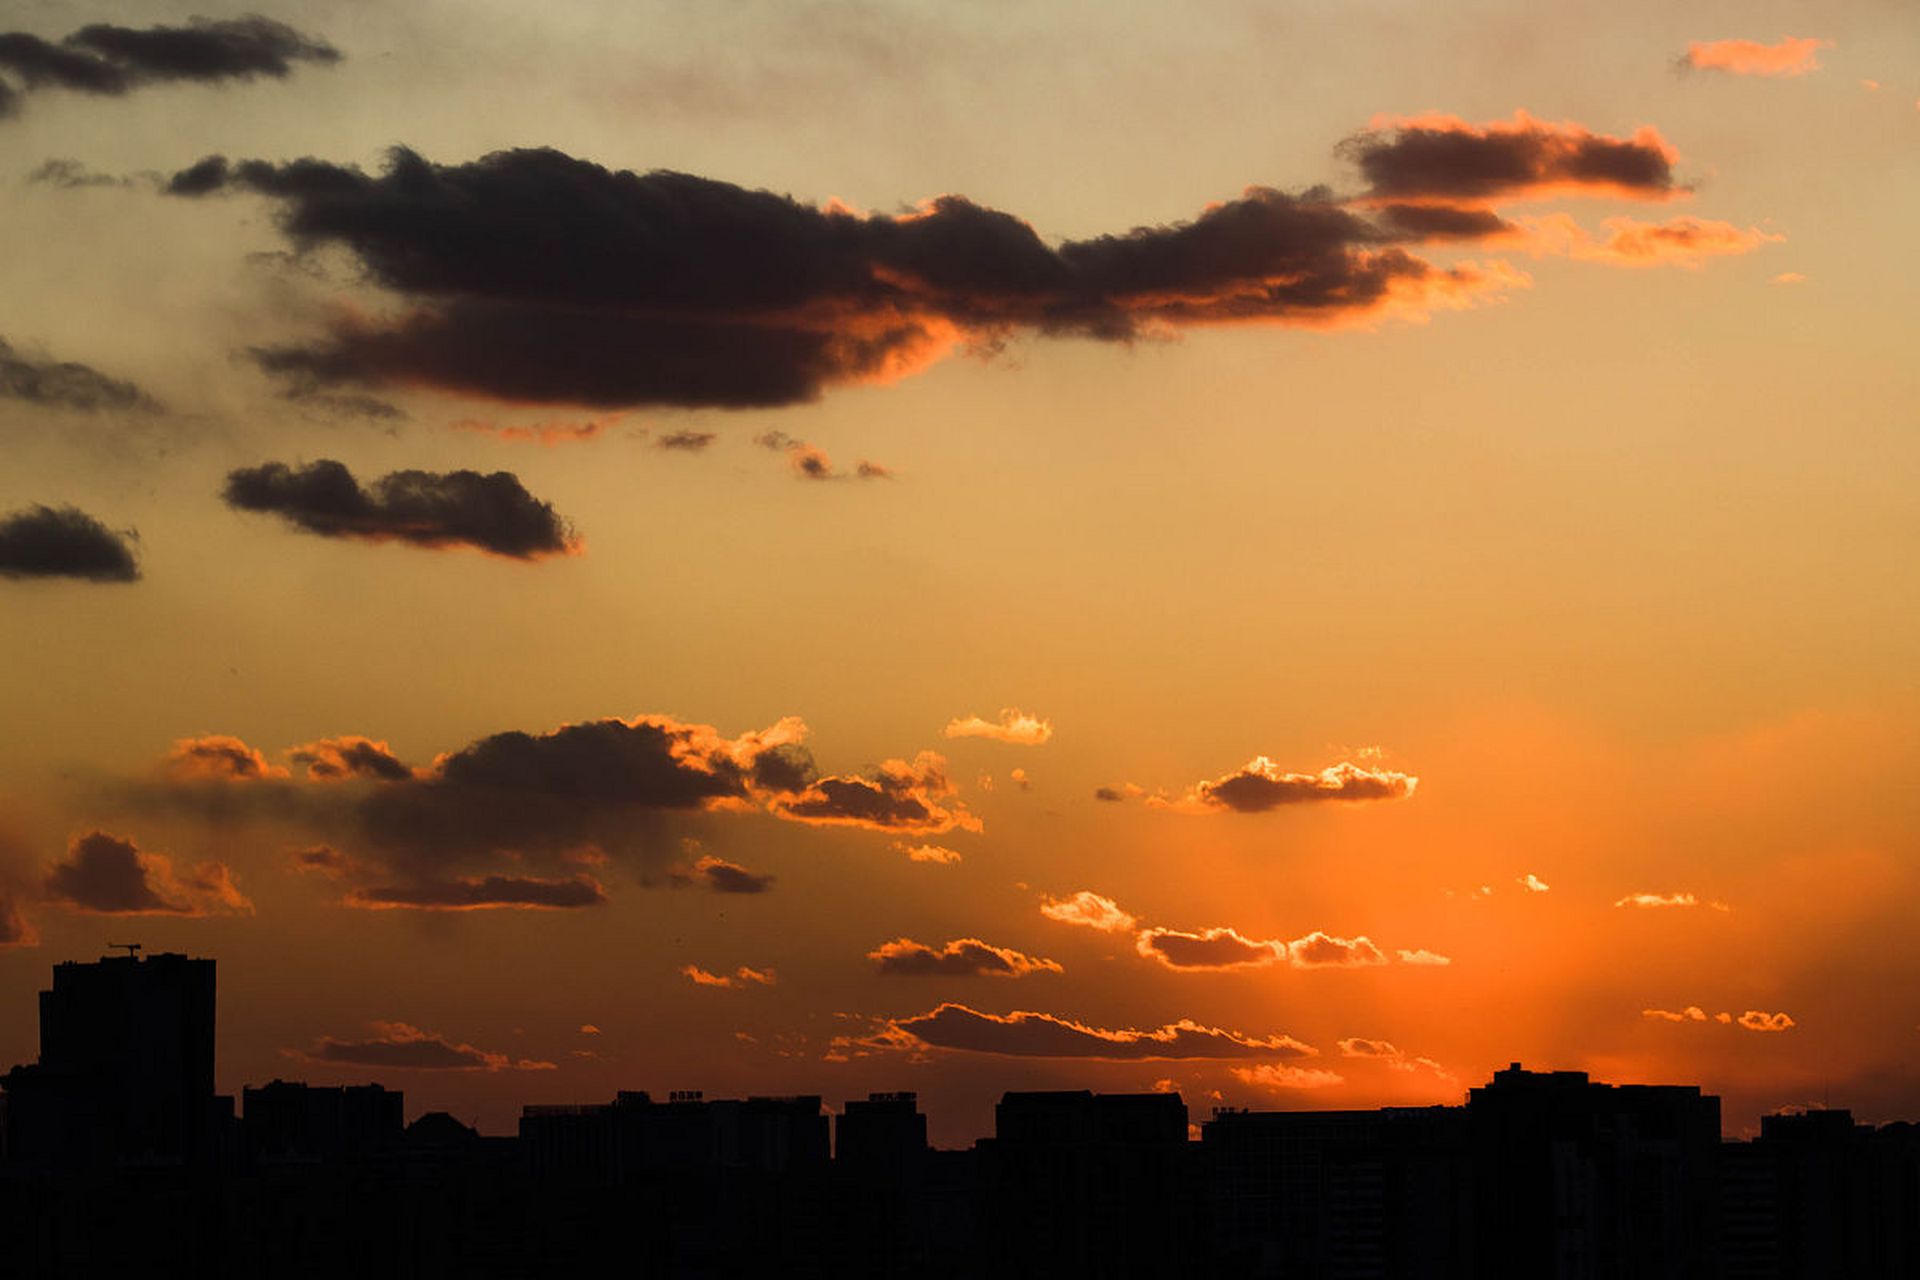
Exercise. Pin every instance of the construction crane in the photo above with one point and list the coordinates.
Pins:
(132, 948)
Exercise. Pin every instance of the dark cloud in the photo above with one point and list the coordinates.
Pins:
(1042, 1035)
(1209, 949)
(69, 174)
(483, 893)
(898, 796)
(350, 756)
(424, 508)
(64, 384)
(1444, 222)
(685, 441)
(1445, 158)
(961, 958)
(538, 277)
(1261, 785)
(114, 60)
(599, 784)
(722, 876)
(401, 1046)
(106, 875)
(64, 542)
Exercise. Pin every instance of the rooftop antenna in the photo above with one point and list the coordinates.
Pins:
(132, 948)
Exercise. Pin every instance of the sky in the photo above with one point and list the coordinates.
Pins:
(1296, 553)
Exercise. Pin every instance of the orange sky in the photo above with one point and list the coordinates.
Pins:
(1294, 554)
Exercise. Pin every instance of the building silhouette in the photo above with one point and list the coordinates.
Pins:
(120, 1159)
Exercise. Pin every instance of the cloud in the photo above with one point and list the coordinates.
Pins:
(687, 441)
(106, 875)
(741, 977)
(400, 1046)
(422, 508)
(897, 796)
(544, 433)
(1533, 883)
(1391, 1054)
(482, 893)
(1754, 1020)
(532, 276)
(1692, 1013)
(593, 784)
(69, 174)
(810, 462)
(1444, 159)
(1014, 726)
(961, 958)
(350, 757)
(218, 757)
(64, 542)
(1120, 794)
(1260, 785)
(1423, 957)
(1282, 1076)
(1210, 949)
(15, 929)
(1042, 1035)
(108, 60)
(1322, 950)
(1089, 910)
(722, 876)
(1792, 56)
(1669, 900)
(938, 854)
(1629, 242)
(1788, 277)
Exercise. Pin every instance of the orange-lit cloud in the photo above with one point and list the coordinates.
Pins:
(1014, 725)
(1088, 910)
(1393, 1056)
(1118, 794)
(544, 433)
(961, 958)
(482, 893)
(1444, 159)
(1422, 956)
(1043, 1035)
(898, 796)
(1692, 1013)
(1669, 900)
(1791, 56)
(1210, 949)
(1533, 883)
(1754, 1020)
(219, 756)
(1322, 950)
(402, 1046)
(1788, 277)
(106, 875)
(1261, 785)
(739, 978)
(1282, 1076)
(939, 855)
(347, 757)
(1629, 242)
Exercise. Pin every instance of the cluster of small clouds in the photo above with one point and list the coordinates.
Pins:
(1751, 1020)
(1223, 948)
(739, 979)
(810, 462)
(553, 804)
